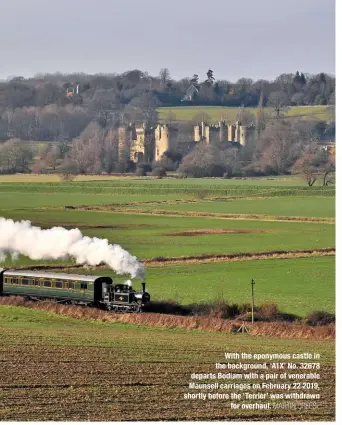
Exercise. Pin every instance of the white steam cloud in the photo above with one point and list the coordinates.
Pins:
(20, 237)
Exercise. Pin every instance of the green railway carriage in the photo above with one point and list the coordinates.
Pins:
(97, 291)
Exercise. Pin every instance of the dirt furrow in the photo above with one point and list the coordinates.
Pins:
(259, 217)
(205, 258)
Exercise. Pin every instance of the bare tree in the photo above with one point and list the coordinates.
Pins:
(278, 100)
(15, 156)
(95, 151)
(278, 147)
(165, 77)
(245, 117)
(315, 162)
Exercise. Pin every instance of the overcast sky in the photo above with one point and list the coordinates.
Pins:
(235, 38)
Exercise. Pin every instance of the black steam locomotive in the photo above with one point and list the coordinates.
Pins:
(95, 291)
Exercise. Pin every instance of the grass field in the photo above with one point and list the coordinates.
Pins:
(59, 368)
(216, 113)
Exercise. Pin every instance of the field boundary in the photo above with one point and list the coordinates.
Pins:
(202, 323)
(205, 258)
(259, 217)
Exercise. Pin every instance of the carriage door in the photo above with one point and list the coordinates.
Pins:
(101, 289)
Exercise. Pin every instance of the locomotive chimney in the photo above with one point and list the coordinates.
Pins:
(143, 286)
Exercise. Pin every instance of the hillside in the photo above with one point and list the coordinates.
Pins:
(216, 113)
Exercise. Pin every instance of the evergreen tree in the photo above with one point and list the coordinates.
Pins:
(296, 79)
(210, 77)
(302, 79)
(194, 80)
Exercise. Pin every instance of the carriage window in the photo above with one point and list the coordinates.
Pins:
(83, 285)
(14, 280)
(47, 283)
(24, 281)
(36, 282)
(59, 284)
(8, 280)
(71, 285)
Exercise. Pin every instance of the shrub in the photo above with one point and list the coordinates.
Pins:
(140, 172)
(159, 172)
(269, 311)
(201, 194)
(203, 161)
(319, 318)
(66, 176)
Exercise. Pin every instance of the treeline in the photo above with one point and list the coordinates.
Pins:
(54, 106)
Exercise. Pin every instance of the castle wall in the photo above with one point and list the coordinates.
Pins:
(142, 145)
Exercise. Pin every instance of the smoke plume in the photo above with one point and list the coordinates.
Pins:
(20, 237)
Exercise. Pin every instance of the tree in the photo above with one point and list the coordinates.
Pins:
(194, 81)
(169, 161)
(210, 78)
(147, 104)
(298, 98)
(304, 165)
(204, 161)
(245, 117)
(314, 162)
(165, 77)
(52, 156)
(279, 146)
(302, 79)
(278, 100)
(15, 156)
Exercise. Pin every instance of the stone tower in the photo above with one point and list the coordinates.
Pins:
(247, 135)
(142, 145)
(223, 131)
(231, 133)
(165, 140)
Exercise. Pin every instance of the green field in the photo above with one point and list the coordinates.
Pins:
(58, 368)
(115, 212)
(216, 113)
(295, 206)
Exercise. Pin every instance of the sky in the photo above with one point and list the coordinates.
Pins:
(235, 38)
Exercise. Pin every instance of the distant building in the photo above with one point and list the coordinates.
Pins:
(223, 133)
(165, 140)
(147, 144)
(190, 94)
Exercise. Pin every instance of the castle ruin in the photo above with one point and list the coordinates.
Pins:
(223, 132)
(147, 143)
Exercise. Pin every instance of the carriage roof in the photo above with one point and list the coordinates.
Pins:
(62, 276)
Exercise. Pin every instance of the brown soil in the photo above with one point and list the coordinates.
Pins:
(240, 256)
(259, 217)
(198, 232)
(66, 225)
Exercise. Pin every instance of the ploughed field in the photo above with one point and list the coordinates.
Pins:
(201, 240)
(58, 368)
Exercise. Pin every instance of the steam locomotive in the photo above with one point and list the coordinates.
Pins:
(94, 291)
